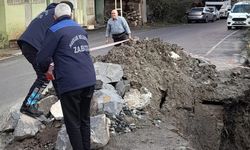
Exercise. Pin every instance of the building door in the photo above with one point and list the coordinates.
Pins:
(99, 11)
(28, 13)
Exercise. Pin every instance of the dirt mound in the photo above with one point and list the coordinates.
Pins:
(236, 133)
(186, 91)
(151, 63)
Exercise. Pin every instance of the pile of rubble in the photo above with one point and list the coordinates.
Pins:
(114, 109)
(145, 83)
(133, 17)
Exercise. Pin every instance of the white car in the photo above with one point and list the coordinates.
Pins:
(215, 12)
(239, 16)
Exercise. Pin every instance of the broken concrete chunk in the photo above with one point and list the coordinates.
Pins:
(108, 72)
(56, 110)
(26, 127)
(108, 87)
(136, 99)
(174, 55)
(46, 103)
(122, 87)
(98, 85)
(62, 142)
(99, 131)
(99, 134)
(108, 101)
(10, 118)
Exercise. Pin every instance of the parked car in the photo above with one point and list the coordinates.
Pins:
(200, 14)
(215, 12)
(239, 16)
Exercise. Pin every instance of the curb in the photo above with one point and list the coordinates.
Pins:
(12, 56)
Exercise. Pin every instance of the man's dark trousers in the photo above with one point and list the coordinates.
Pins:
(120, 37)
(76, 112)
(41, 81)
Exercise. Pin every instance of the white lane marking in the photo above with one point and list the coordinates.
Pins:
(214, 47)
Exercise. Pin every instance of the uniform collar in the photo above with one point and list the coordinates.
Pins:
(62, 18)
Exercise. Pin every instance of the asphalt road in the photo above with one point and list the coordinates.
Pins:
(211, 40)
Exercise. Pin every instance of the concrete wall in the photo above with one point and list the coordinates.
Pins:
(91, 12)
(15, 20)
(99, 12)
(84, 12)
(17, 17)
(2, 17)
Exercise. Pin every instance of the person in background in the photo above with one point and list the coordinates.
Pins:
(66, 44)
(30, 43)
(118, 27)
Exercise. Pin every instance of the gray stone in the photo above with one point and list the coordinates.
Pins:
(175, 56)
(99, 131)
(108, 101)
(94, 101)
(98, 85)
(122, 87)
(5, 139)
(108, 72)
(56, 110)
(9, 119)
(108, 87)
(46, 103)
(93, 107)
(136, 99)
(62, 142)
(99, 134)
(26, 127)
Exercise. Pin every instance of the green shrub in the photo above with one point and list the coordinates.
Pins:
(170, 11)
(3, 40)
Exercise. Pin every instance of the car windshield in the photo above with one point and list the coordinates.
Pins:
(196, 9)
(241, 8)
(211, 8)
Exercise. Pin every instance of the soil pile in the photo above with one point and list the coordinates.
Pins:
(187, 91)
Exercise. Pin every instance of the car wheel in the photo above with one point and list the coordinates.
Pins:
(214, 18)
(189, 21)
(206, 20)
(229, 27)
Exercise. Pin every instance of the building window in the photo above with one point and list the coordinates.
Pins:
(19, 2)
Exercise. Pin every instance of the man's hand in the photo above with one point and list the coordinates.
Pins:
(130, 37)
(49, 74)
(107, 40)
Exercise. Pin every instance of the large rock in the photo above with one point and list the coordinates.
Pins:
(98, 85)
(108, 72)
(99, 131)
(9, 119)
(108, 87)
(122, 87)
(99, 134)
(26, 127)
(108, 101)
(46, 103)
(56, 110)
(136, 99)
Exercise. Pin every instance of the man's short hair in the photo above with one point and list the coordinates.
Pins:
(70, 3)
(62, 9)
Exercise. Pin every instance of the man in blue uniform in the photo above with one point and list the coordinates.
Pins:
(30, 43)
(67, 46)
